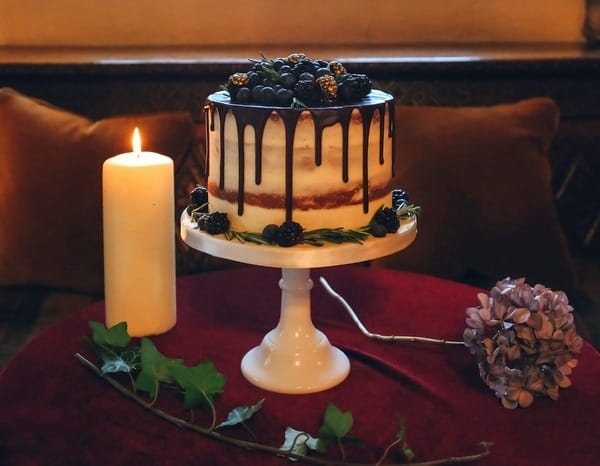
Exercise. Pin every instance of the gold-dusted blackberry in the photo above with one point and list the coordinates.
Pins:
(336, 68)
(294, 58)
(328, 86)
(239, 79)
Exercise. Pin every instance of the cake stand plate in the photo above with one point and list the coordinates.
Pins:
(295, 357)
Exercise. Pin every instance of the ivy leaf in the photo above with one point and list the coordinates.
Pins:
(336, 425)
(118, 360)
(406, 450)
(114, 336)
(156, 368)
(111, 346)
(241, 414)
(200, 383)
(298, 442)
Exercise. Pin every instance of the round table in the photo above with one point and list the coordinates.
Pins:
(53, 410)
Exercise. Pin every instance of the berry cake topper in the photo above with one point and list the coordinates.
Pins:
(297, 81)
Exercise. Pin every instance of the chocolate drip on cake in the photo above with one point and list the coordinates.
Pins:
(289, 119)
(366, 115)
(392, 133)
(209, 125)
(381, 134)
(256, 116)
(322, 120)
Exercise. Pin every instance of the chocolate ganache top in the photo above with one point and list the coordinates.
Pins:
(257, 115)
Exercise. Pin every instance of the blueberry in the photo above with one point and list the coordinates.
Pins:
(270, 232)
(306, 77)
(268, 81)
(199, 195)
(243, 95)
(285, 69)
(254, 78)
(322, 72)
(288, 80)
(256, 92)
(266, 96)
(284, 97)
(277, 64)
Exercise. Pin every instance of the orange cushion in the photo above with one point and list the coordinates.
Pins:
(50, 187)
(482, 176)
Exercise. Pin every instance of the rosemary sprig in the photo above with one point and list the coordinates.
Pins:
(318, 237)
(408, 211)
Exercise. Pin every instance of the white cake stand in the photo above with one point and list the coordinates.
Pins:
(295, 357)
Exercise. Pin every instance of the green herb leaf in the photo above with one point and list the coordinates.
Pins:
(241, 414)
(200, 383)
(408, 211)
(115, 336)
(336, 425)
(156, 368)
(298, 442)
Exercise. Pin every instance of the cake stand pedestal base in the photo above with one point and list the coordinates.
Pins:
(295, 357)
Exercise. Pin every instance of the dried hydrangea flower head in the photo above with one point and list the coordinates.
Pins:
(524, 340)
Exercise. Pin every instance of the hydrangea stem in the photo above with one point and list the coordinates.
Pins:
(377, 336)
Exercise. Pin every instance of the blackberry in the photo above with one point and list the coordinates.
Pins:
(290, 233)
(199, 195)
(378, 230)
(270, 232)
(202, 221)
(386, 216)
(306, 65)
(399, 198)
(353, 87)
(328, 87)
(307, 92)
(214, 223)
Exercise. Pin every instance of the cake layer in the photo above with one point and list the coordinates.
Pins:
(255, 217)
(321, 167)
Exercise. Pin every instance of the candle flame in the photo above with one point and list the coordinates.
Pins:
(137, 143)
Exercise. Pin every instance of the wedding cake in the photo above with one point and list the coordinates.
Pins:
(295, 146)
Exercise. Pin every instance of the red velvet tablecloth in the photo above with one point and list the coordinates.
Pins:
(54, 411)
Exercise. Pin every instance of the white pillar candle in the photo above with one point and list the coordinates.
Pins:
(139, 241)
